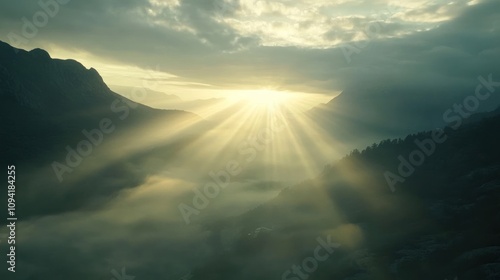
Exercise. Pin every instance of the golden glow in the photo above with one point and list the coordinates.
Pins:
(265, 97)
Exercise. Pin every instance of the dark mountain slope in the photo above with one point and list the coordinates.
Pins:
(46, 104)
(43, 97)
(370, 113)
(442, 221)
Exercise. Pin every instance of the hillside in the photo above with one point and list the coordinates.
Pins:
(441, 222)
(63, 126)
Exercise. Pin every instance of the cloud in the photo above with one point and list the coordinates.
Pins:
(425, 54)
(428, 47)
(114, 236)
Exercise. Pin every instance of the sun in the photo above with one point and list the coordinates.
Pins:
(265, 97)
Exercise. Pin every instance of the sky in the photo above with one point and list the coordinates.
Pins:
(425, 54)
(209, 48)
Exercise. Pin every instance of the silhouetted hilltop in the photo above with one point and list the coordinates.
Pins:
(45, 98)
(50, 86)
(369, 113)
(51, 107)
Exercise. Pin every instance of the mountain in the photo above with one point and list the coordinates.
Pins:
(57, 125)
(369, 113)
(422, 206)
(39, 93)
(160, 100)
(35, 81)
(148, 96)
(438, 221)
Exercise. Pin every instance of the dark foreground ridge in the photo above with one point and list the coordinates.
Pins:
(442, 222)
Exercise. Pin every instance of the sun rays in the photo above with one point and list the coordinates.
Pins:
(267, 131)
(264, 134)
(265, 97)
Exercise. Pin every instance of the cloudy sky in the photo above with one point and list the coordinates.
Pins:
(201, 48)
(424, 53)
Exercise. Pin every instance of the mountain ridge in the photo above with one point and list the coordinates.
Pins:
(48, 104)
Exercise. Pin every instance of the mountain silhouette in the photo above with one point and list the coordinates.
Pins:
(48, 104)
(44, 97)
(367, 113)
(403, 208)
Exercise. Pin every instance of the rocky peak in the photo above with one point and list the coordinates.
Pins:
(39, 82)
